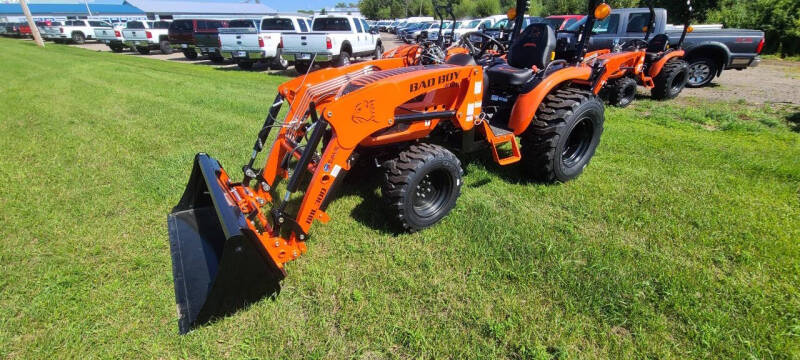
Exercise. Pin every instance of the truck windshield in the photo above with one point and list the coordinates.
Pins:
(331, 24)
(279, 24)
(135, 25)
(242, 24)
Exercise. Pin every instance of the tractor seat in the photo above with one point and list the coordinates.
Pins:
(657, 45)
(507, 74)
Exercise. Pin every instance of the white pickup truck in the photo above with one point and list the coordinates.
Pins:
(147, 35)
(249, 41)
(333, 41)
(78, 31)
(111, 36)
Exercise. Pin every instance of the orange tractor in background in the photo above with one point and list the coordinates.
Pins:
(647, 62)
(230, 240)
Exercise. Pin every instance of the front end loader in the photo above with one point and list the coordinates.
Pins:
(231, 240)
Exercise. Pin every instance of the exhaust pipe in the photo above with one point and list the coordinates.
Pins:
(218, 263)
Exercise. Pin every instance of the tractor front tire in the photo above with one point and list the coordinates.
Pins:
(621, 92)
(562, 138)
(671, 80)
(421, 186)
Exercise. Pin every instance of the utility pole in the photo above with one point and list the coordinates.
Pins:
(85, 2)
(34, 30)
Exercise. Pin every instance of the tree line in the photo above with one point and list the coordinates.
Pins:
(779, 19)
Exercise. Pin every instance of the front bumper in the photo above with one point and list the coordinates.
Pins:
(307, 57)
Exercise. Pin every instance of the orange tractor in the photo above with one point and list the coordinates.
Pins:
(651, 63)
(230, 240)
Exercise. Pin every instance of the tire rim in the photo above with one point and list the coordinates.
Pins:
(345, 60)
(678, 82)
(432, 193)
(698, 73)
(284, 63)
(578, 142)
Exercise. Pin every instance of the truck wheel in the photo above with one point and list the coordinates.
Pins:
(343, 59)
(378, 52)
(621, 92)
(143, 50)
(165, 48)
(78, 38)
(245, 65)
(116, 48)
(301, 67)
(671, 80)
(216, 58)
(190, 54)
(563, 136)
(421, 186)
(279, 63)
(701, 72)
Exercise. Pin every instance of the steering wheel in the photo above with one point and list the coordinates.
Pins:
(478, 53)
(634, 44)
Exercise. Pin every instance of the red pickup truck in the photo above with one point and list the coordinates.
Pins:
(197, 36)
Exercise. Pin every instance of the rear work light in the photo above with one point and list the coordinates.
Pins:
(149, 34)
(760, 46)
(117, 34)
(328, 43)
(260, 42)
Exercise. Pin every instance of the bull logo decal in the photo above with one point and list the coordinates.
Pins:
(364, 112)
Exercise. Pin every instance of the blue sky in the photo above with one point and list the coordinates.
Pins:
(280, 5)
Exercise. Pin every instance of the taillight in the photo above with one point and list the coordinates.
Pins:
(219, 42)
(260, 42)
(117, 34)
(280, 44)
(149, 34)
(328, 43)
(61, 30)
(760, 46)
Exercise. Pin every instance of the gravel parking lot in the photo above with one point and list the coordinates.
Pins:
(774, 81)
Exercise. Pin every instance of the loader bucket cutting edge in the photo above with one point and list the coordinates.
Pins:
(218, 263)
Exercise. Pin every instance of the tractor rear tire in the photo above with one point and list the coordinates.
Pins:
(562, 138)
(421, 186)
(621, 92)
(671, 80)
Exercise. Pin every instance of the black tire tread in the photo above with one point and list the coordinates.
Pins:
(616, 91)
(663, 81)
(538, 143)
(399, 171)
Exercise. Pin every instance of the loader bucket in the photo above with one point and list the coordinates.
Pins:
(218, 264)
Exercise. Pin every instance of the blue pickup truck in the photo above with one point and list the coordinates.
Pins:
(708, 51)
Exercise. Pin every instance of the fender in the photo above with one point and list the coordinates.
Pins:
(525, 108)
(658, 65)
(714, 47)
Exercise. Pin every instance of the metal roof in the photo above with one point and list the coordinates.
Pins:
(71, 9)
(199, 7)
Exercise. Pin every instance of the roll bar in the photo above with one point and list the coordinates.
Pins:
(687, 17)
(587, 29)
(448, 10)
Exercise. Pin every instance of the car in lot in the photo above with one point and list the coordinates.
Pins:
(52, 31)
(432, 33)
(502, 29)
(111, 36)
(12, 29)
(249, 41)
(709, 51)
(78, 31)
(466, 26)
(334, 40)
(560, 22)
(148, 35)
(415, 35)
(196, 37)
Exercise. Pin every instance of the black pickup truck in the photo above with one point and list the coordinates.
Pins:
(708, 51)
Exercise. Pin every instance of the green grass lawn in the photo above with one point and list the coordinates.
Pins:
(680, 240)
